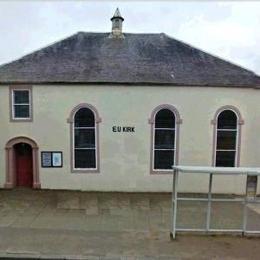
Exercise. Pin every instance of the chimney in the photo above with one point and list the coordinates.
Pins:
(117, 22)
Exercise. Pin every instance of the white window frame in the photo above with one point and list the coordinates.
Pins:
(73, 143)
(237, 130)
(28, 104)
(175, 140)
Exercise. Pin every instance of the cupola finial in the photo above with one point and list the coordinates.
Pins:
(117, 22)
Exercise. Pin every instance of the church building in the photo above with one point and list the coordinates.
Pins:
(114, 111)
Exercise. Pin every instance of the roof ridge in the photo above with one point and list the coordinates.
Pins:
(127, 33)
(134, 33)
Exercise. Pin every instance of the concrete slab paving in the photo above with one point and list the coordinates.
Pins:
(42, 224)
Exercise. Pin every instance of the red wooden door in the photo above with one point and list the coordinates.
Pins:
(24, 171)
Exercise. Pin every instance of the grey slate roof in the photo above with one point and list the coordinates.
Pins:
(134, 59)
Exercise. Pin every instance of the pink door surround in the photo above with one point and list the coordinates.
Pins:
(11, 170)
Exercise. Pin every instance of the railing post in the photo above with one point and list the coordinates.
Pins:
(174, 202)
(245, 208)
(209, 203)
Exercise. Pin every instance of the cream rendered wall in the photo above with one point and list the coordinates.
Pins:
(125, 157)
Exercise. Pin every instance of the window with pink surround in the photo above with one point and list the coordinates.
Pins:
(227, 137)
(84, 121)
(164, 140)
(20, 97)
(84, 139)
(165, 122)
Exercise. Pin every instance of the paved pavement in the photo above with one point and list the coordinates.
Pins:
(83, 225)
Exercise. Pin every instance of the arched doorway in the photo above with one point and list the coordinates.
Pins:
(22, 167)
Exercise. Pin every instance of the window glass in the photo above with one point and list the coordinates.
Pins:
(226, 139)
(84, 139)
(225, 158)
(227, 120)
(164, 140)
(21, 111)
(163, 159)
(84, 118)
(164, 119)
(21, 104)
(21, 97)
(85, 159)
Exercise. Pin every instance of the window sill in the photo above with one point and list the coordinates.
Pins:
(21, 120)
(161, 172)
(95, 171)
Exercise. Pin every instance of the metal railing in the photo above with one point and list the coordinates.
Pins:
(212, 171)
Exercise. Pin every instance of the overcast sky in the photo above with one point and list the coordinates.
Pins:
(227, 29)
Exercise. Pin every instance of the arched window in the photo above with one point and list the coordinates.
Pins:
(84, 121)
(227, 136)
(84, 139)
(165, 121)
